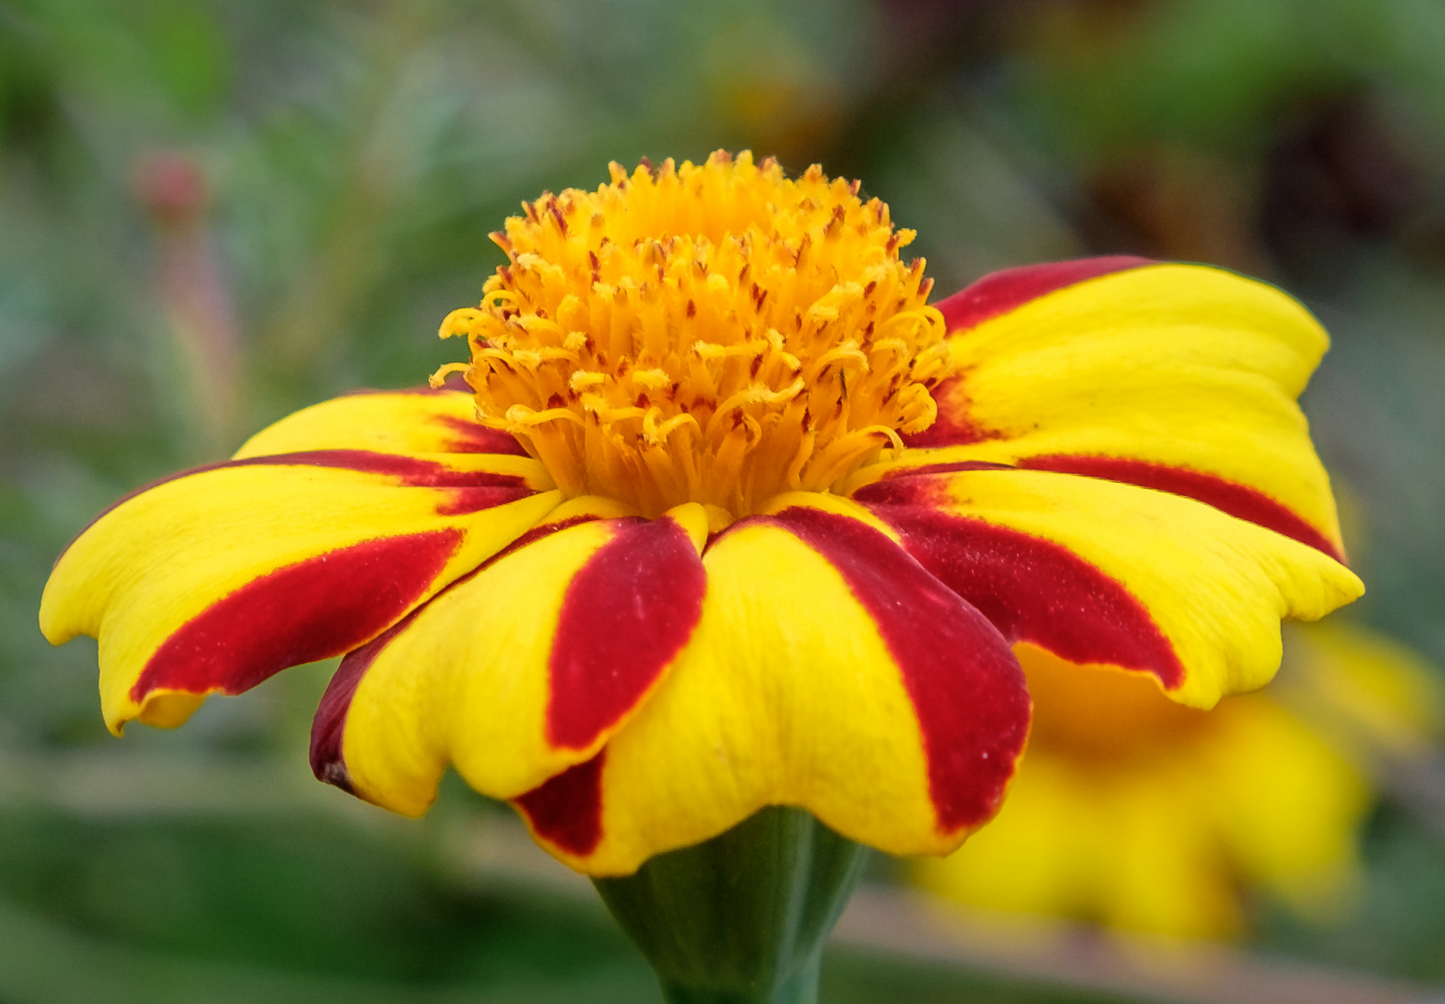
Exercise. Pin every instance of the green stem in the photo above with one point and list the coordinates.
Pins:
(741, 918)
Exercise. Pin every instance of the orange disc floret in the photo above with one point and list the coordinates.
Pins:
(715, 333)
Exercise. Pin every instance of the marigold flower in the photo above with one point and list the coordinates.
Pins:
(734, 517)
(1139, 813)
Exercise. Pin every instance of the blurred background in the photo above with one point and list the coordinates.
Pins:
(214, 212)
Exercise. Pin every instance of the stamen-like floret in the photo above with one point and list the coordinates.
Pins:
(713, 333)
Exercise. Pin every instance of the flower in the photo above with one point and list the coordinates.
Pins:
(733, 517)
(1140, 813)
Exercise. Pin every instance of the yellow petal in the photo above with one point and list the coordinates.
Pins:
(520, 670)
(412, 421)
(217, 578)
(1102, 572)
(829, 671)
(1176, 377)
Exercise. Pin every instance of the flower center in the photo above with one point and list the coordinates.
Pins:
(711, 333)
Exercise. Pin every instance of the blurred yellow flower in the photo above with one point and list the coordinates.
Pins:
(1137, 812)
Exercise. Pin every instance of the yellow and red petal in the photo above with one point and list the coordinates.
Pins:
(1008, 289)
(217, 578)
(1180, 378)
(406, 422)
(521, 669)
(1102, 572)
(828, 670)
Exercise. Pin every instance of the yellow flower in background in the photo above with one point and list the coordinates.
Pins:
(1135, 812)
(732, 517)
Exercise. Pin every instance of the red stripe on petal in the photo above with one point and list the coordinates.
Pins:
(474, 437)
(530, 537)
(953, 468)
(311, 610)
(1031, 589)
(966, 686)
(412, 472)
(567, 809)
(477, 498)
(999, 292)
(328, 727)
(1230, 497)
(626, 614)
(468, 491)
(329, 724)
(993, 295)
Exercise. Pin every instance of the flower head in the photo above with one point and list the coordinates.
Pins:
(718, 334)
(733, 517)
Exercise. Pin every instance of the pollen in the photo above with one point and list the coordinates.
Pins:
(715, 333)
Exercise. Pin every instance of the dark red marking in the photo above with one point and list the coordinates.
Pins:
(966, 686)
(479, 497)
(626, 614)
(530, 537)
(999, 292)
(567, 809)
(474, 437)
(995, 294)
(1031, 589)
(1230, 497)
(953, 468)
(952, 427)
(329, 724)
(411, 471)
(311, 610)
